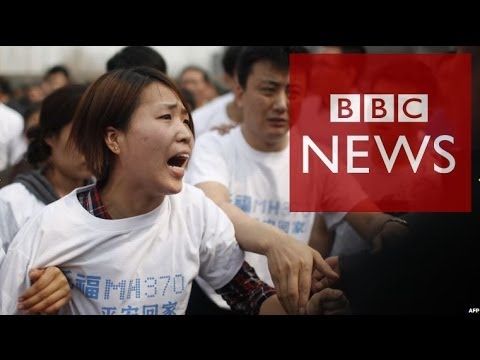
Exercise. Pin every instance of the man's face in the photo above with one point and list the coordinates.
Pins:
(265, 105)
(194, 81)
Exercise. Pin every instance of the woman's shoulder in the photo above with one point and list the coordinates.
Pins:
(189, 193)
(190, 199)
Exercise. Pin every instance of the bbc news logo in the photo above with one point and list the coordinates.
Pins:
(391, 129)
(380, 107)
(346, 108)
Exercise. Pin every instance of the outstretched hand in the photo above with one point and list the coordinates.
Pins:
(291, 264)
(328, 302)
(48, 294)
(223, 129)
(320, 281)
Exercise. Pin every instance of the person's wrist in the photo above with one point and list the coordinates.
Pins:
(274, 239)
(265, 246)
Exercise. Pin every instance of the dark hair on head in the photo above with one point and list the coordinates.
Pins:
(206, 77)
(5, 86)
(133, 56)
(111, 101)
(57, 111)
(230, 58)
(57, 69)
(277, 55)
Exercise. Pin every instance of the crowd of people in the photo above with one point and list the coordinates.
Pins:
(139, 194)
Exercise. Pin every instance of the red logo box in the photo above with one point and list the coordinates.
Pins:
(380, 132)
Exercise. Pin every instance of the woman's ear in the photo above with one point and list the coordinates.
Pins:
(50, 140)
(238, 91)
(112, 139)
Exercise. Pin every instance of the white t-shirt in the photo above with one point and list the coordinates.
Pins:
(259, 185)
(18, 205)
(12, 143)
(212, 114)
(139, 265)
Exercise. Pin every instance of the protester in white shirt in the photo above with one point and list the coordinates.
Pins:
(257, 162)
(60, 170)
(133, 243)
(246, 172)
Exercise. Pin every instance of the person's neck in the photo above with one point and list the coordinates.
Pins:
(61, 183)
(265, 146)
(122, 199)
(234, 112)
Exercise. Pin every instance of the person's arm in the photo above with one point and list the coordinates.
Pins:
(325, 302)
(290, 262)
(48, 294)
(50, 290)
(372, 226)
(367, 224)
(247, 294)
(272, 306)
(364, 216)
